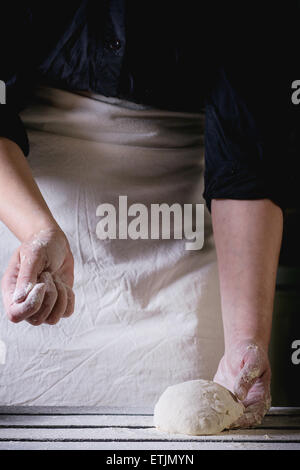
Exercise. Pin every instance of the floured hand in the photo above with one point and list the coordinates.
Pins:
(245, 371)
(37, 284)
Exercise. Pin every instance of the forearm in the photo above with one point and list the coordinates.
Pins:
(22, 207)
(248, 238)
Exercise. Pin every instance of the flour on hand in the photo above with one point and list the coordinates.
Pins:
(196, 407)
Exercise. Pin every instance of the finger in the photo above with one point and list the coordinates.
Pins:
(245, 380)
(9, 280)
(71, 302)
(253, 368)
(249, 419)
(66, 274)
(30, 268)
(48, 302)
(60, 304)
(257, 403)
(253, 415)
(21, 311)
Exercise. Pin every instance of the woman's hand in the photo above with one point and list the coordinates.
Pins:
(37, 284)
(245, 371)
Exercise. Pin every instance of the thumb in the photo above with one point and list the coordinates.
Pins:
(244, 382)
(252, 369)
(30, 268)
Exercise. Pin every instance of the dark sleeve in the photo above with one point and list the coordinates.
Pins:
(15, 70)
(235, 151)
(249, 116)
(12, 127)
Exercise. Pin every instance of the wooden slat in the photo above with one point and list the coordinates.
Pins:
(76, 420)
(156, 446)
(35, 420)
(76, 410)
(278, 422)
(295, 411)
(143, 434)
(132, 428)
(111, 410)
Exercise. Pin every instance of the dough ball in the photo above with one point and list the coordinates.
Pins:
(196, 407)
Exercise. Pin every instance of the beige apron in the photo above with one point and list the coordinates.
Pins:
(147, 311)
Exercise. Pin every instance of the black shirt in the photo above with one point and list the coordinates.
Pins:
(172, 55)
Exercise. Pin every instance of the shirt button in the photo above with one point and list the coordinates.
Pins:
(233, 169)
(115, 45)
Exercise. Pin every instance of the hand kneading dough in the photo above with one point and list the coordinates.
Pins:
(196, 407)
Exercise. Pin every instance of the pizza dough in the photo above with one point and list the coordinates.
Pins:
(196, 407)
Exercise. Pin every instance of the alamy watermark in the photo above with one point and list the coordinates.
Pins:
(296, 354)
(160, 221)
(2, 92)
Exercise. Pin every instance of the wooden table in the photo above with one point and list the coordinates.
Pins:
(85, 428)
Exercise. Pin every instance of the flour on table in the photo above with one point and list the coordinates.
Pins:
(2, 352)
(196, 407)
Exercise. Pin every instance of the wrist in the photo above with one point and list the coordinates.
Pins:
(43, 225)
(246, 342)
